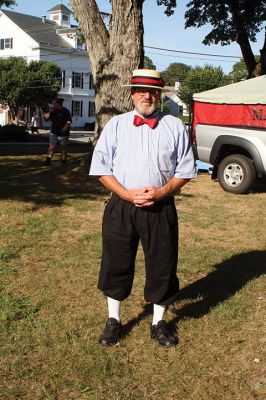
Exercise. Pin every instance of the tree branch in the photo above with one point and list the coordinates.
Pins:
(242, 36)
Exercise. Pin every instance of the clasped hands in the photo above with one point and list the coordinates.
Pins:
(146, 196)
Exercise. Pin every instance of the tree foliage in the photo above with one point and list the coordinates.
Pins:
(148, 63)
(170, 5)
(175, 72)
(27, 84)
(200, 79)
(7, 3)
(12, 77)
(44, 82)
(239, 71)
(232, 21)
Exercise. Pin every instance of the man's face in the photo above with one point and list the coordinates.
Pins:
(57, 105)
(145, 100)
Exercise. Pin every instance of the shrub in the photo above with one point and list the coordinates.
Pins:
(14, 133)
(90, 126)
(184, 118)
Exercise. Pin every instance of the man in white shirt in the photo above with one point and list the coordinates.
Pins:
(143, 157)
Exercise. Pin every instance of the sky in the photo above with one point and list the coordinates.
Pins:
(163, 32)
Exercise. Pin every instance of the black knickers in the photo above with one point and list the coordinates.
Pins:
(157, 228)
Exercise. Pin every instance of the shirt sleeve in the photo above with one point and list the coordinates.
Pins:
(185, 166)
(102, 159)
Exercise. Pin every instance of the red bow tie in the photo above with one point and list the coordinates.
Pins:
(152, 122)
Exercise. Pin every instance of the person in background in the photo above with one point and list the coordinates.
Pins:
(60, 129)
(144, 158)
(35, 122)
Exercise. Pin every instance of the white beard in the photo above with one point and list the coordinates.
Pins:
(146, 111)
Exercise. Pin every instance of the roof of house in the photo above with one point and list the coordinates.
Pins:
(251, 91)
(41, 32)
(60, 7)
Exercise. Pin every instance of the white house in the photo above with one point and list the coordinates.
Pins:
(53, 39)
(175, 104)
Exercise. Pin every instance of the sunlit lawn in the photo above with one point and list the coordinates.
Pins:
(51, 313)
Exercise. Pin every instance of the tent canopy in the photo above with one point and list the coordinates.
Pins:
(251, 91)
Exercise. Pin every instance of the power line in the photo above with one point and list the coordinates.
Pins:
(71, 57)
(190, 52)
(189, 58)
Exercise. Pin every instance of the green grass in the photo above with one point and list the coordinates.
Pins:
(51, 313)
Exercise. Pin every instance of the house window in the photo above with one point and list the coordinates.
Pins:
(65, 18)
(63, 79)
(91, 110)
(77, 108)
(56, 17)
(6, 43)
(77, 80)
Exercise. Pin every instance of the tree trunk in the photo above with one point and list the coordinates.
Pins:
(263, 57)
(113, 53)
(242, 39)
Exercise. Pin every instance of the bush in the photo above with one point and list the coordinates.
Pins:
(90, 126)
(14, 133)
(184, 118)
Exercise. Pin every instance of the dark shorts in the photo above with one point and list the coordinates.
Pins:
(124, 225)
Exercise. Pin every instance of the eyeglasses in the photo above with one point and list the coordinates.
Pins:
(141, 92)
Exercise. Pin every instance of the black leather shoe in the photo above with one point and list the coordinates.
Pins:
(163, 335)
(111, 333)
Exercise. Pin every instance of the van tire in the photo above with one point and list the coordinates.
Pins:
(236, 174)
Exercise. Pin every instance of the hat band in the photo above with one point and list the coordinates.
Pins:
(144, 80)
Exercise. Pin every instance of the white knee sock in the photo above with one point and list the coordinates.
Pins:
(114, 308)
(158, 312)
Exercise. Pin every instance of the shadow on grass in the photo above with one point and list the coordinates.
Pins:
(259, 186)
(25, 179)
(147, 310)
(15, 149)
(228, 278)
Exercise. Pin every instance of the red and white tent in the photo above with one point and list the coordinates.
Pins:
(238, 104)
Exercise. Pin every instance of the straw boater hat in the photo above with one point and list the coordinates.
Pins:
(146, 78)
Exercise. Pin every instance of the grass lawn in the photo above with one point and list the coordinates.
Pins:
(51, 313)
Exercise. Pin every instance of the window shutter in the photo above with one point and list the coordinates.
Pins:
(82, 80)
(91, 82)
(81, 108)
(73, 79)
(89, 109)
(11, 43)
(72, 107)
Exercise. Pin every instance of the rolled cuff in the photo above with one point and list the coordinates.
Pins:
(181, 175)
(100, 171)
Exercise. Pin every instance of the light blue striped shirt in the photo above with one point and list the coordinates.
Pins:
(141, 156)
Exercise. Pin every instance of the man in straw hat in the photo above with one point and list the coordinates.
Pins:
(143, 157)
